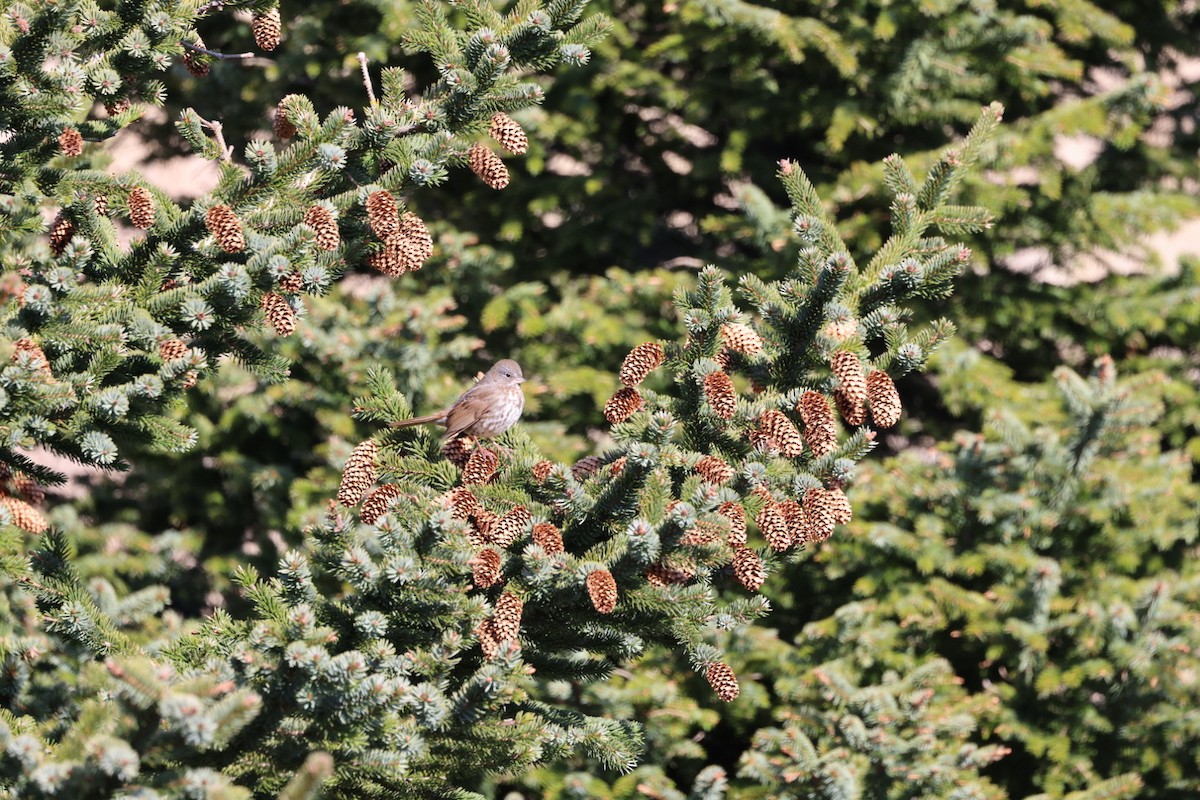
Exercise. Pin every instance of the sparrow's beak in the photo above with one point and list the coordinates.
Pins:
(521, 380)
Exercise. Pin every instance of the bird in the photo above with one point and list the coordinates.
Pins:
(487, 409)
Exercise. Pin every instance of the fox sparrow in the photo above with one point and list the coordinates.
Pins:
(487, 409)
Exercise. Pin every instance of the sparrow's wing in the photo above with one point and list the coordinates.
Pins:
(465, 412)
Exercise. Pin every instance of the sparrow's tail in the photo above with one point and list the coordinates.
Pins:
(425, 420)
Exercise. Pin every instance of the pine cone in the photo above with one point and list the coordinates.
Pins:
(737, 522)
(100, 201)
(661, 574)
(418, 244)
(226, 227)
(291, 283)
(382, 214)
(774, 527)
(821, 512)
(462, 503)
(855, 415)
(511, 526)
(482, 524)
(267, 27)
(602, 589)
(507, 616)
(29, 490)
(851, 391)
(37, 354)
(190, 379)
(623, 405)
(378, 503)
(279, 313)
(487, 165)
(549, 537)
(640, 362)
(797, 522)
(541, 470)
(748, 568)
(171, 349)
(283, 126)
(489, 643)
(140, 205)
(723, 681)
(61, 232)
(505, 130)
(840, 506)
(358, 473)
(486, 568)
(702, 533)
(618, 466)
(781, 431)
(714, 470)
(884, 399)
(458, 451)
(481, 466)
(586, 467)
(718, 390)
(24, 516)
(197, 63)
(321, 220)
(742, 338)
(70, 142)
(820, 430)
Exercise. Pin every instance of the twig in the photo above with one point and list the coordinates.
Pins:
(218, 131)
(214, 53)
(362, 62)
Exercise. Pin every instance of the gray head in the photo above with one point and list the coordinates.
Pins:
(505, 371)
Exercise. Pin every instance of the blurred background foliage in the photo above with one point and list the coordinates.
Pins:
(1014, 610)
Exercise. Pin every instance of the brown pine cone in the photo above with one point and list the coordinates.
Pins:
(541, 470)
(748, 568)
(797, 522)
(586, 467)
(171, 349)
(622, 405)
(196, 62)
(28, 489)
(820, 430)
(70, 142)
(774, 527)
(855, 415)
(781, 432)
(511, 526)
(359, 473)
(458, 451)
(383, 215)
(378, 503)
(462, 503)
(291, 283)
(61, 232)
(618, 466)
(714, 470)
(24, 516)
(661, 574)
(418, 244)
(140, 204)
(839, 505)
(505, 130)
(719, 391)
(821, 512)
(489, 643)
(741, 338)
(267, 27)
(321, 220)
(482, 524)
(884, 399)
(723, 681)
(602, 589)
(486, 568)
(737, 522)
(487, 165)
(279, 313)
(549, 537)
(640, 362)
(507, 616)
(851, 391)
(37, 356)
(283, 126)
(223, 224)
(481, 466)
